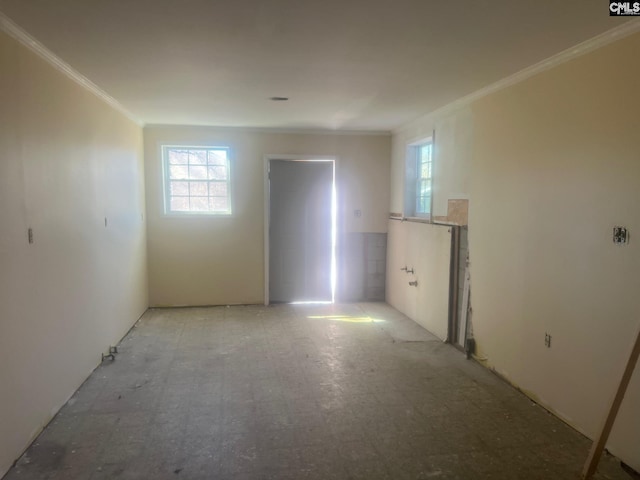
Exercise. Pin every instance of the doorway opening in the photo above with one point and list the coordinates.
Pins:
(300, 229)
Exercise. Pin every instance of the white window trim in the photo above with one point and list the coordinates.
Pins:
(166, 182)
(410, 179)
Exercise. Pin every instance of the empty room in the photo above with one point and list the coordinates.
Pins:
(319, 240)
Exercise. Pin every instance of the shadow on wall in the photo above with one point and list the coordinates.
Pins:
(362, 268)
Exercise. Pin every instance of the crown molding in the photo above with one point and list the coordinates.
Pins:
(599, 41)
(275, 130)
(12, 29)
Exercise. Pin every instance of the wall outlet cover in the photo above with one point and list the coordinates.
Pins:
(620, 235)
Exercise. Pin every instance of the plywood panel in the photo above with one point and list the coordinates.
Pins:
(458, 212)
(425, 249)
(396, 291)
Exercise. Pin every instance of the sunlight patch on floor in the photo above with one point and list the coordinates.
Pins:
(313, 302)
(346, 318)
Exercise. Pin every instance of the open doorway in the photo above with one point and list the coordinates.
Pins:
(300, 230)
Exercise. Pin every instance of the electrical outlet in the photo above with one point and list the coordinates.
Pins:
(547, 340)
(357, 213)
(620, 235)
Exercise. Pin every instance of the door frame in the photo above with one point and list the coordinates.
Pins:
(267, 202)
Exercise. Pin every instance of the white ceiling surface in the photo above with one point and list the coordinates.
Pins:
(345, 64)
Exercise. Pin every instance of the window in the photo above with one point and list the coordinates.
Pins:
(197, 180)
(424, 171)
(419, 179)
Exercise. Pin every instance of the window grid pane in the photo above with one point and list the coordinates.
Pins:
(197, 180)
(423, 179)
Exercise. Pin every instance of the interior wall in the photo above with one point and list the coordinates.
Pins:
(220, 260)
(556, 166)
(425, 250)
(68, 160)
(549, 165)
(451, 158)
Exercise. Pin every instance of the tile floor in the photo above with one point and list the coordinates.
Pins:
(299, 392)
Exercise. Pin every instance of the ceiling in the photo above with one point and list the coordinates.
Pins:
(344, 64)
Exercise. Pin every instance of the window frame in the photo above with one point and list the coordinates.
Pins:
(419, 179)
(166, 182)
(413, 179)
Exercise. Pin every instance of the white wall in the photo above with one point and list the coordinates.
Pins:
(425, 249)
(452, 156)
(67, 161)
(550, 165)
(556, 165)
(217, 261)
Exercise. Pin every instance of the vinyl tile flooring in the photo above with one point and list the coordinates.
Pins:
(354, 391)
